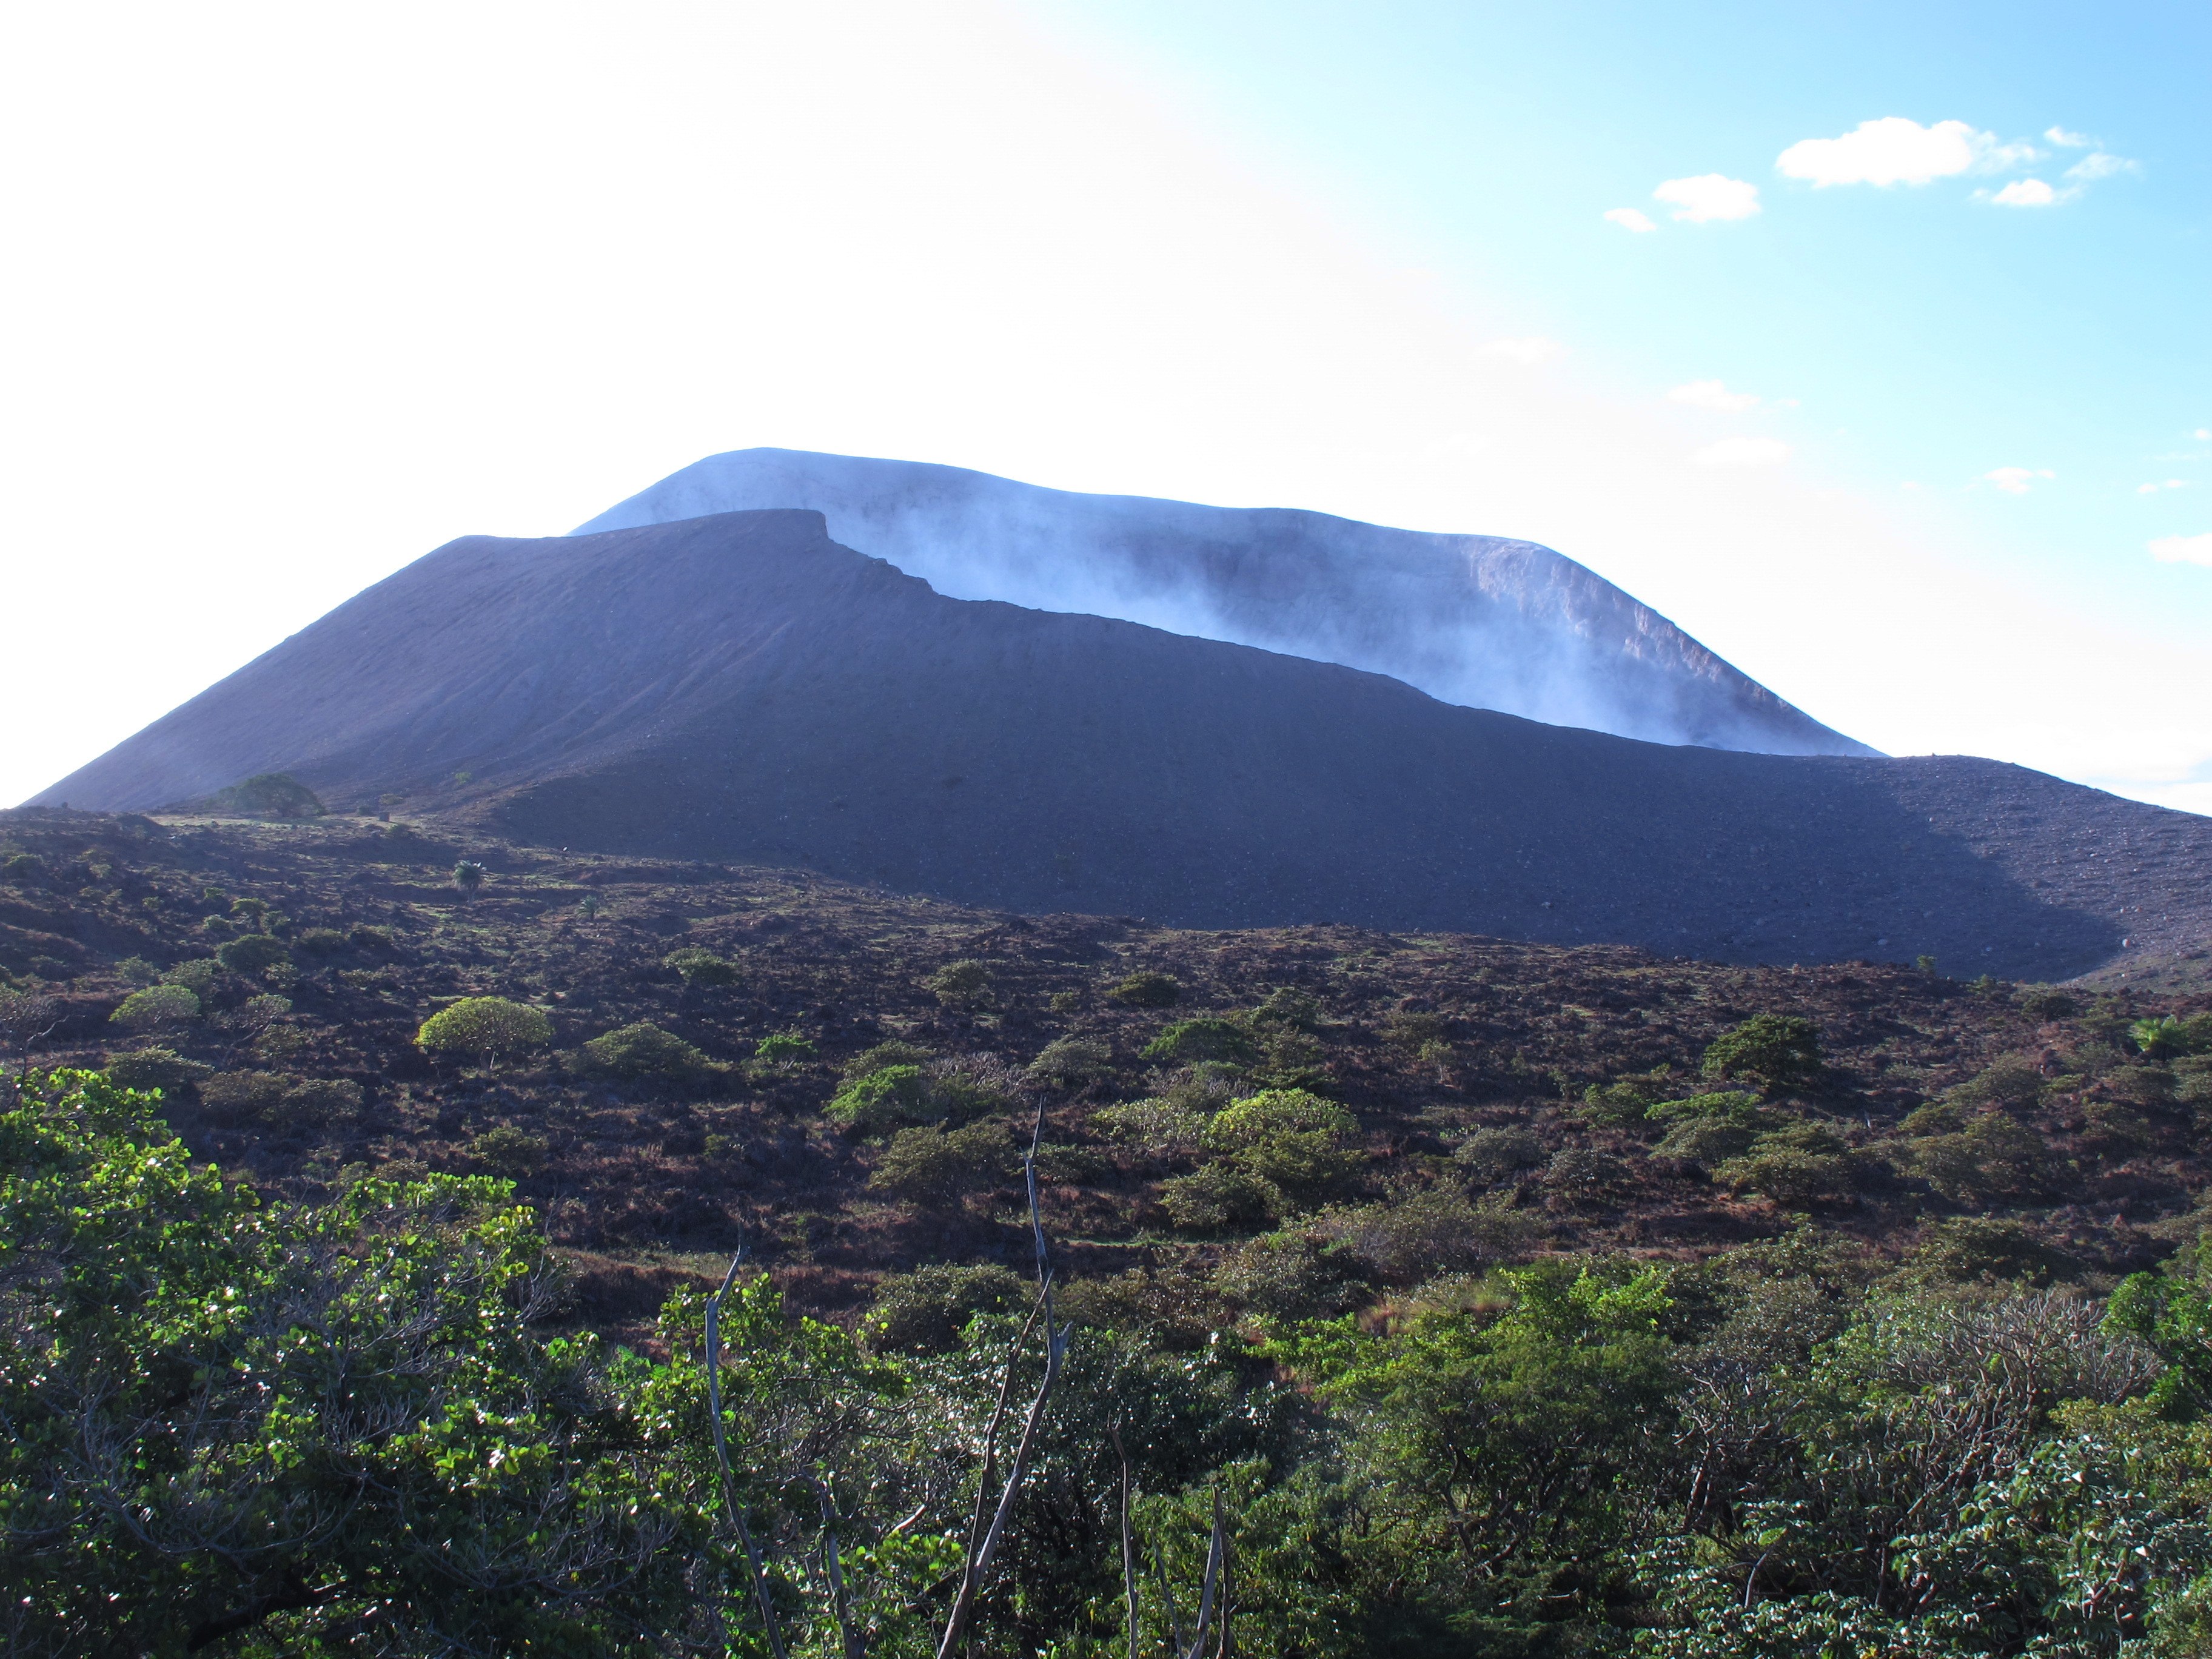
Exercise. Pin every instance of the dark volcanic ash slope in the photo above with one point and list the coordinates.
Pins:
(1483, 621)
(742, 688)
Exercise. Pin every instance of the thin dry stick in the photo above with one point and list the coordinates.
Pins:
(1167, 1601)
(979, 1554)
(722, 1455)
(856, 1645)
(1213, 1579)
(1128, 1542)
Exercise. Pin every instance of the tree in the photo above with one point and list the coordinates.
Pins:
(251, 956)
(468, 876)
(228, 1420)
(1146, 990)
(1782, 1051)
(156, 1005)
(489, 1029)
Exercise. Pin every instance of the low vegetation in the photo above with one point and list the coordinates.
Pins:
(1497, 1299)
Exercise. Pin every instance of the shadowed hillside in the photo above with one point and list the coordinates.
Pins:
(741, 687)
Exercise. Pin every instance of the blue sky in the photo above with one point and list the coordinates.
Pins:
(298, 294)
(1930, 338)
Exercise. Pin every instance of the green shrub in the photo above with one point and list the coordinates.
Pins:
(244, 1096)
(268, 795)
(1992, 1158)
(1972, 1250)
(1291, 1010)
(156, 1005)
(506, 1151)
(1585, 1174)
(136, 970)
(1163, 1129)
(886, 1096)
(468, 876)
(779, 1046)
(643, 1052)
(1206, 1038)
(1290, 1276)
(277, 1101)
(1071, 1062)
(700, 968)
(929, 1166)
(1621, 1105)
(1219, 1196)
(1423, 1234)
(2047, 1002)
(893, 1052)
(1146, 990)
(487, 1028)
(322, 941)
(251, 956)
(1710, 1129)
(2010, 1081)
(1782, 1051)
(926, 1310)
(1287, 1137)
(154, 1068)
(1495, 1155)
(961, 984)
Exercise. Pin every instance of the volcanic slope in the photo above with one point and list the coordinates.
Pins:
(1478, 620)
(740, 687)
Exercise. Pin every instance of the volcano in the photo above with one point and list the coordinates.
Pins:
(1482, 621)
(740, 687)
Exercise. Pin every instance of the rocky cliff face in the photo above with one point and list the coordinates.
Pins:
(743, 688)
(1474, 620)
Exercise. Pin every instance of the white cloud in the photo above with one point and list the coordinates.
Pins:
(1534, 349)
(1743, 452)
(2026, 192)
(2183, 549)
(2098, 165)
(2016, 480)
(2153, 489)
(1894, 150)
(1712, 394)
(1709, 197)
(2202, 434)
(1633, 219)
(2066, 140)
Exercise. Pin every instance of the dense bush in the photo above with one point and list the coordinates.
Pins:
(251, 956)
(1782, 1051)
(487, 1028)
(962, 984)
(931, 1167)
(702, 969)
(1146, 990)
(1189, 1040)
(155, 1007)
(153, 1068)
(1772, 1453)
(642, 1053)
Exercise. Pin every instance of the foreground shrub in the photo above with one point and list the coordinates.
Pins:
(1782, 1051)
(1206, 1038)
(962, 984)
(150, 1069)
(1493, 1155)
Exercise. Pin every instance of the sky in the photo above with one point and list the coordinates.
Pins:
(1869, 344)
